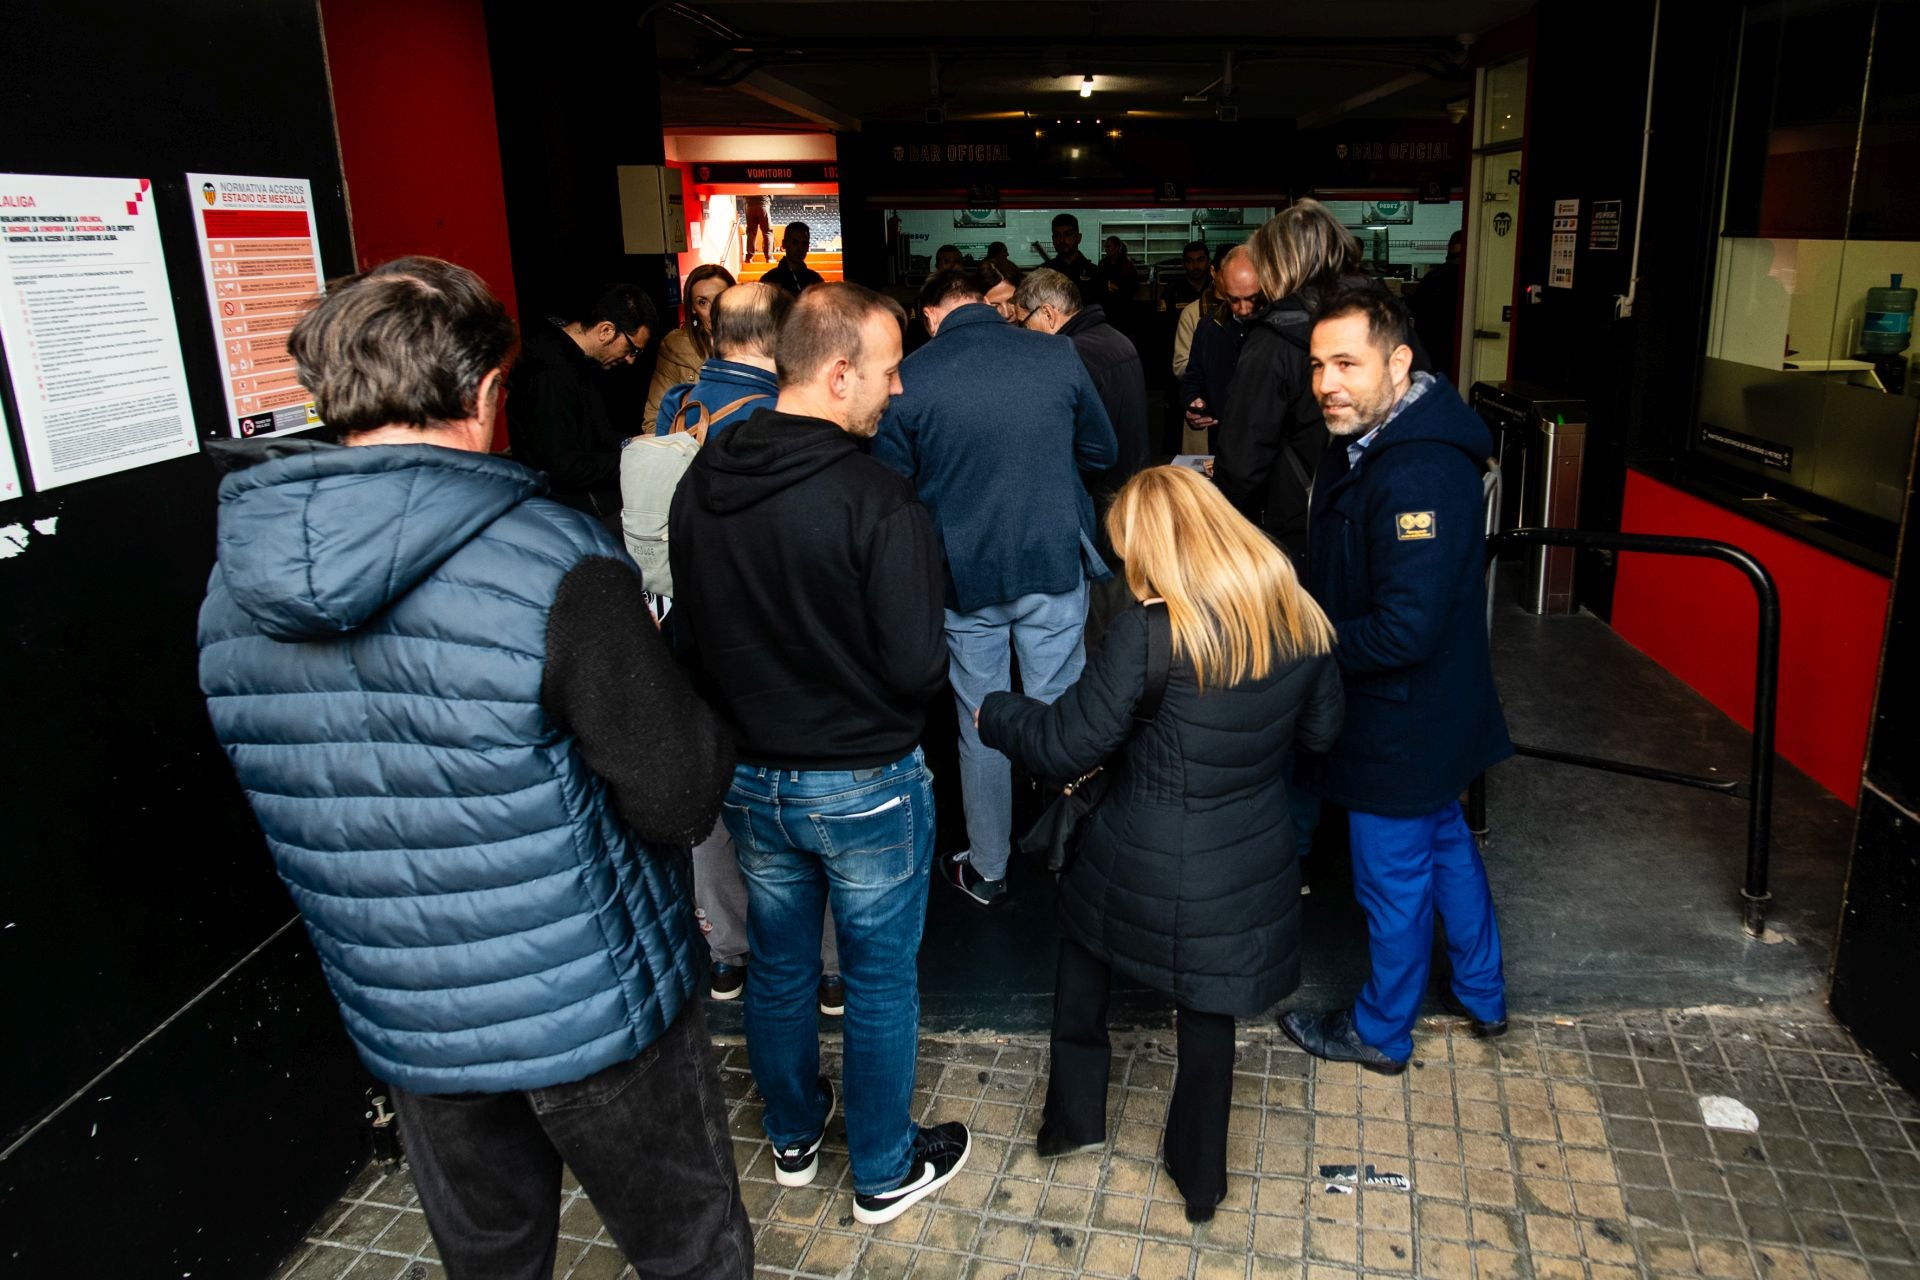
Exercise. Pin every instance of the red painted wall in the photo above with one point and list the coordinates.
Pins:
(413, 100)
(1697, 619)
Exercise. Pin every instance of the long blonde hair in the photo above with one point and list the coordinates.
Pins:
(1302, 244)
(1237, 607)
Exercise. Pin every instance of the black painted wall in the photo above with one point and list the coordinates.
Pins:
(1585, 130)
(181, 1097)
(1873, 961)
(573, 104)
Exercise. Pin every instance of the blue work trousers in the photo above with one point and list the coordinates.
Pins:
(1404, 869)
(863, 841)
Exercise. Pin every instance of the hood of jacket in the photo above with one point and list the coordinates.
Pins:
(1438, 416)
(766, 454)
(314, 539)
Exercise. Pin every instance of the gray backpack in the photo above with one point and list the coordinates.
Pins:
(650, 470)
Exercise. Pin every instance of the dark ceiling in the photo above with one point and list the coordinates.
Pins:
(805, 64)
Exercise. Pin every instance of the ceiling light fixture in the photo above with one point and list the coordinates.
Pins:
(1086, 86)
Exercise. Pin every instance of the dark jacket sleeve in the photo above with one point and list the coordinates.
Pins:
(1095, 447)
(1088, 722)
(905, 593)
(1325, 710)
(610, 682)
(1254, 429)
(577, 440)
(1413, 581)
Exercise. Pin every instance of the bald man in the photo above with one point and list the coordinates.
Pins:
(1216, 344)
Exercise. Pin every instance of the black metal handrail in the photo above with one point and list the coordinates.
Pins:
(1757, 788)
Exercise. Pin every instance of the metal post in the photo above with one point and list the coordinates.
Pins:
(1766, 698)
(1477, 806)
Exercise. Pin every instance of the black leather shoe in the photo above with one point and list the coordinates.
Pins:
(1481, 1030)
(1332, 1036)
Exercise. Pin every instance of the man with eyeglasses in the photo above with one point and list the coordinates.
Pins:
(558, 420)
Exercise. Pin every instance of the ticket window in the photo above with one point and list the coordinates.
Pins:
(1809, 382)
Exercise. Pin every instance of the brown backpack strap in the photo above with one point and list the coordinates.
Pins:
(699, 429)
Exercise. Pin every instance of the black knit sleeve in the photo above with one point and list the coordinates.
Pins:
(611, 683)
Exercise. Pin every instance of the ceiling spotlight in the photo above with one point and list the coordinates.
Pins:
(1086, 87)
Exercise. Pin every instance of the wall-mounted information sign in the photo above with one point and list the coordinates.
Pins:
(87, 319)
(260, 253)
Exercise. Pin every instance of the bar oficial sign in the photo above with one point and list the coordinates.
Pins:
(1409, 152)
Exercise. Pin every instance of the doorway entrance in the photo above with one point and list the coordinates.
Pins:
(1494, 247)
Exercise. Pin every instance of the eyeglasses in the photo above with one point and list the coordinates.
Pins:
(633, 349)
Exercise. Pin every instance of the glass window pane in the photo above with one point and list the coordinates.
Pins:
(1503, 117)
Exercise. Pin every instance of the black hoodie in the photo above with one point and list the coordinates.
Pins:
(808, 588)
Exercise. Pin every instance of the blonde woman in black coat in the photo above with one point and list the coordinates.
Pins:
(1186, 878)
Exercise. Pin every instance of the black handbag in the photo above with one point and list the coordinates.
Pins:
(1053, 839)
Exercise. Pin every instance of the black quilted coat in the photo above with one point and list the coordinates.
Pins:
(1186, 878)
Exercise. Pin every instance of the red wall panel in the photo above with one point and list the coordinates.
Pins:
(1697, 619)
(413, 101)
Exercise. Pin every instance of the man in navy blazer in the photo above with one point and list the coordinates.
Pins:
(993, 427)
(1397, 559)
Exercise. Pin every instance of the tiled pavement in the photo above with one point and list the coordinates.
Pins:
(1565, 1149)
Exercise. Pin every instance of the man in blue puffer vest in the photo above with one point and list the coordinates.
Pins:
(476, 768)
(1397, 558)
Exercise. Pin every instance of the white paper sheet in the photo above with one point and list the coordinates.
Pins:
(87, 318)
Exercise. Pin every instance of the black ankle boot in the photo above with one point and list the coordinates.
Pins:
(1053, 1142)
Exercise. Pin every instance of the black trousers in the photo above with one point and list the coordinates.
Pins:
(1195, 1149)
(646, 1137)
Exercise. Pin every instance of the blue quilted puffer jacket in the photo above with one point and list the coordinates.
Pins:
(371, 648)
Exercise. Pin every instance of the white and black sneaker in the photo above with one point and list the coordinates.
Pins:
(795, 1166)
(938, 1153)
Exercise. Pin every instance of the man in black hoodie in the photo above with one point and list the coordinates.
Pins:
(813, 604)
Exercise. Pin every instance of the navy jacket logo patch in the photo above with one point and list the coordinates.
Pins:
(1414, 525)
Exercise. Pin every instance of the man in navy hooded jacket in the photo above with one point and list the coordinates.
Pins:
(1397, 560)
(476, 768)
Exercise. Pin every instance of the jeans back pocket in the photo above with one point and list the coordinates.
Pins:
(874, 844)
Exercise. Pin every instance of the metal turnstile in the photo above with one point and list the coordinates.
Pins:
(1540, 444)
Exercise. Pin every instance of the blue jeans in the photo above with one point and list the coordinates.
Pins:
(1046, 632)
(862, 840)
(1403, 870)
